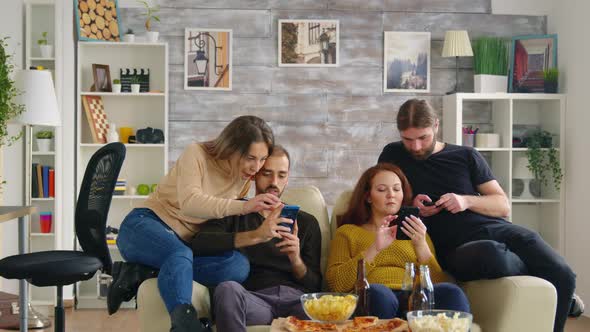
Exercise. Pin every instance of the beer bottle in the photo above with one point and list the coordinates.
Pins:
(418, 299)
(426, 285)
(361, 289)
(406, 289)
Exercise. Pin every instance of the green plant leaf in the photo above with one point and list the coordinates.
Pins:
(490, 56)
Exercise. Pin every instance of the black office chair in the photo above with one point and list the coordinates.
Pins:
(65, 267)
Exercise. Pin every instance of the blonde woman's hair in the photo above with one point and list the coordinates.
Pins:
(238, 135)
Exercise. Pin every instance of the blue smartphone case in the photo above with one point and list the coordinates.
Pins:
(289, 212)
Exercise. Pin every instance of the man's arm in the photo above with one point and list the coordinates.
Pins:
(311, 252)
(492, 202)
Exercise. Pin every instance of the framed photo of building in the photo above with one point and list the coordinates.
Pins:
(530, 56)
(309, 43)
(207, 59)
(406, 62)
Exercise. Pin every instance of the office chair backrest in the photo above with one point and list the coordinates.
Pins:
(94, 201)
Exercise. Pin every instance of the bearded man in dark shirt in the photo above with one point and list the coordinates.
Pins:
(464, 208)
(283, 265)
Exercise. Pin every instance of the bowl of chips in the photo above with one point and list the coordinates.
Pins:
(439, 321)
(329, 307)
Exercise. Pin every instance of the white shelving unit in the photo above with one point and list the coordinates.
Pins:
(544, 214)
(144, 163)
(40, 16)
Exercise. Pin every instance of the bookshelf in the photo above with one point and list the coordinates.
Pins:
(543, 213)
(144, 163)
(40, 16)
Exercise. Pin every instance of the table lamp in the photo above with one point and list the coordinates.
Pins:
(521, 171)
(38, 97)
(456, 44)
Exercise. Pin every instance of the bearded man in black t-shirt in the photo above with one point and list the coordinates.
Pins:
(464, 208)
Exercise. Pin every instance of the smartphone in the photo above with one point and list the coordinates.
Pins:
(404, 211)
(289, 212)
(433, 203)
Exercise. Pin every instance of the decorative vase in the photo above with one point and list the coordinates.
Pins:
(490, 83)
(116, 88)
(151, 36)
(135, 88)
(44, 144)
(129, 38)
(112, 135)
(550, 87)
(46, 51)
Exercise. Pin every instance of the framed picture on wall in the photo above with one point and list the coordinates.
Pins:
(309, 43)
(529, 57)
(207, 59)
(406, 62)
(97, 21)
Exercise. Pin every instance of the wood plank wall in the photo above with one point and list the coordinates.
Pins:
(334, 121)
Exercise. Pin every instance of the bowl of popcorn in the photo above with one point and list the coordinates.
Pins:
(439, 321)
(329, 307)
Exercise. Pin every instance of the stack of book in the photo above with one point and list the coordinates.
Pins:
(120, 187)
(42, 181)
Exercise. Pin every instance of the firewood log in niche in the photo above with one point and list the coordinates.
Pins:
(98, 19)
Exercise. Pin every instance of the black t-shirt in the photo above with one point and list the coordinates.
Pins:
(454, 169)
(268, 266)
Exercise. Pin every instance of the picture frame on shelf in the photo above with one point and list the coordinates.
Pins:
(530, 55)
(308, 43)
(208, 59)
(101, 75)
(406, 61)
(96, 117)
(97, 21)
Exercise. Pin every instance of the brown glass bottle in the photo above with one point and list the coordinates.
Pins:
(406, 289)
(361, 289)
(418, 299)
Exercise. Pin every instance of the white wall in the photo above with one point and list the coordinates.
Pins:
(11, 25)
(569, 19)
(522, 7)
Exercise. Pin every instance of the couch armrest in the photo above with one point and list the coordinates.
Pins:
(508, 304)
(153, 316)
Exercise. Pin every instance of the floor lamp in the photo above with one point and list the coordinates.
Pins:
(456, 44)
(38, 98)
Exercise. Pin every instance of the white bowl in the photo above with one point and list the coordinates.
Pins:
(439, 321)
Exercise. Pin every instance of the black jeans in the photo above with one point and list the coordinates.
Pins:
(500, 250)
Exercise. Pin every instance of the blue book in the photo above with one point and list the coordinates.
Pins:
(45, 181)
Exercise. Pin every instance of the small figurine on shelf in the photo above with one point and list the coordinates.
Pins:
(112, 135)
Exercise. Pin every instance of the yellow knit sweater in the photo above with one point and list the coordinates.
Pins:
(349, 245)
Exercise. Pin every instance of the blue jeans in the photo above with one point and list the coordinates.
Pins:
(384, 301)
(144, 238)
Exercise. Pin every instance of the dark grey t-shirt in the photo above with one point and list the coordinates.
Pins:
(454, 169)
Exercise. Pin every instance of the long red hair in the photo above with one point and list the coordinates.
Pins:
(359, 209)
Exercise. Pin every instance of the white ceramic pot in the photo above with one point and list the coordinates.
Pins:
(135, 88)
(46, 51)
(490, 83)
(485, 140)
(44, 144)
(151, 36)
(116, 88)
(129, 38)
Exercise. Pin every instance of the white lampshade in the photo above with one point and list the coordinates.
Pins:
(457, 44)
(38, 97)
(520, 168)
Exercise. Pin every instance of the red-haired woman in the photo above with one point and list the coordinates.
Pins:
(364, 232)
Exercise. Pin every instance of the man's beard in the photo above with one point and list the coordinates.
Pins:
(425, 153)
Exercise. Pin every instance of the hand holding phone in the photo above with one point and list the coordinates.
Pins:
(404, 211)
(289, 212)
(432, 203)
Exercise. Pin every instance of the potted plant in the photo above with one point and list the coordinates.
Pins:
(543, 158)
(490, 65)
(135, 84)
(129, 37)
(44, 138)
(550, 78)
(8, 92)
(151, 36)
(116, 85)
(45, 48)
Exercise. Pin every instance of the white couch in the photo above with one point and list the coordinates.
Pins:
(504, 304)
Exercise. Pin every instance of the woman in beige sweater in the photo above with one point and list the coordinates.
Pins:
(206, 182)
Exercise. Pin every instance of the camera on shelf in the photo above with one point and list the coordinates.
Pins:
(150, 135)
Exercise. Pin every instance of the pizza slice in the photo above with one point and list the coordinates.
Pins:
(293, 324)
(365, 321)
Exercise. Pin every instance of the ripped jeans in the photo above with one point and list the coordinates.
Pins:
(144, 238)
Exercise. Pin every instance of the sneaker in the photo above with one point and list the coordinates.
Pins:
(577, 306)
